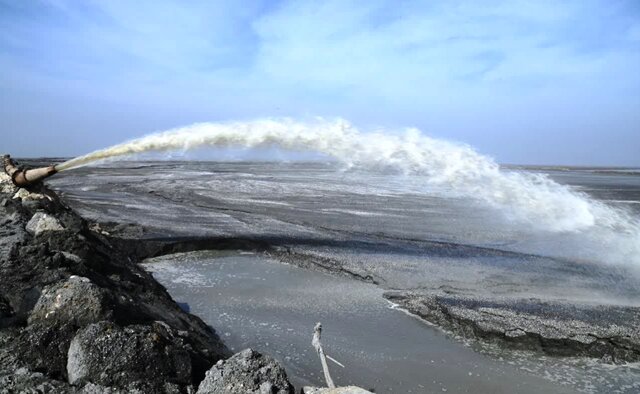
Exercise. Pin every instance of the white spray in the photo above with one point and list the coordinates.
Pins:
(531, 198)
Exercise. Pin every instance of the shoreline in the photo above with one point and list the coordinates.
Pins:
(127, 243)
(605, 332)
(271, 306)
(78, 314)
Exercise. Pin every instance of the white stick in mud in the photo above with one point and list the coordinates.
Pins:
(317, 330)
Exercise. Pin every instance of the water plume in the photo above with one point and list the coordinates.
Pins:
(531, 198)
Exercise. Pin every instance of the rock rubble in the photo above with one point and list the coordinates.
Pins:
(79, 315)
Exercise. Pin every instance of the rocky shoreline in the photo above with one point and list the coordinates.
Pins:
(79, 315)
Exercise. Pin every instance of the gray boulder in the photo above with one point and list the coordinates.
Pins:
(91, 388)
(42, 222)
(247, 372)
(12, 233)
(168, 388)
(337, 390)
(75, 300)
(6, 185)
(106, 354)
(28, 382)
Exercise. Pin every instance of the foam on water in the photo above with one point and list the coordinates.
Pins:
(532, 199)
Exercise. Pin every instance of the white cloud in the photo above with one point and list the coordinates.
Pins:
(335, 44)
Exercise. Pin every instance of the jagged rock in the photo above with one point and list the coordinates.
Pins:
(75, 300)
(337, 390)
(12, 231)
(91, 388)
(34, 193)
(6, 185)
(247, 372)
(33, 205)
(27, 382)
(6, 312)
(42, 222)
(106, 354)
(72, 257)
(54, 287)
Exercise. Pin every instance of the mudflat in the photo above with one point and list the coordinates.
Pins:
(465, 267)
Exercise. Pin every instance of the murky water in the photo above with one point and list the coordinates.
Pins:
(256, 302)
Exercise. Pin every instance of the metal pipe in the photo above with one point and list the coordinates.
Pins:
(25, 177)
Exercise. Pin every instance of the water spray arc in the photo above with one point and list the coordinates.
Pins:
(531, 199)
(535, 199)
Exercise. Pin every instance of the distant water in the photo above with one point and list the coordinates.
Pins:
(323, 201)
(405, 206)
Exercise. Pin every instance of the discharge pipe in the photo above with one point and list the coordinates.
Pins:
(25, 177)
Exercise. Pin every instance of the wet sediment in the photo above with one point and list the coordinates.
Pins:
(606, 332)
(51, 266)
(567, 329)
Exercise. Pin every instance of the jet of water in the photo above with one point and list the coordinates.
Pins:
(531, 198)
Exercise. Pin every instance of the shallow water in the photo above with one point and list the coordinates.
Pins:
(257, 302)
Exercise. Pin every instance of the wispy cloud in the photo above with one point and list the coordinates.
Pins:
(338, 42)
(485, 72)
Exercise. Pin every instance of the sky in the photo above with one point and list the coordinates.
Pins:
(526, 82)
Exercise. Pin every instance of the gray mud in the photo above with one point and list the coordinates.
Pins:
(486, 274)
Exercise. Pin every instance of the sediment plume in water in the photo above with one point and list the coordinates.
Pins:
(530, 198)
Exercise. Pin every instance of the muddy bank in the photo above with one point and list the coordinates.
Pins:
(608, 333)
(605, 332)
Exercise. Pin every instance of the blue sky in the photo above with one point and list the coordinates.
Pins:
(541, 82)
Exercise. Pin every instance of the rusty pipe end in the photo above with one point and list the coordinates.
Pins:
(6, 161)
(26, 177)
